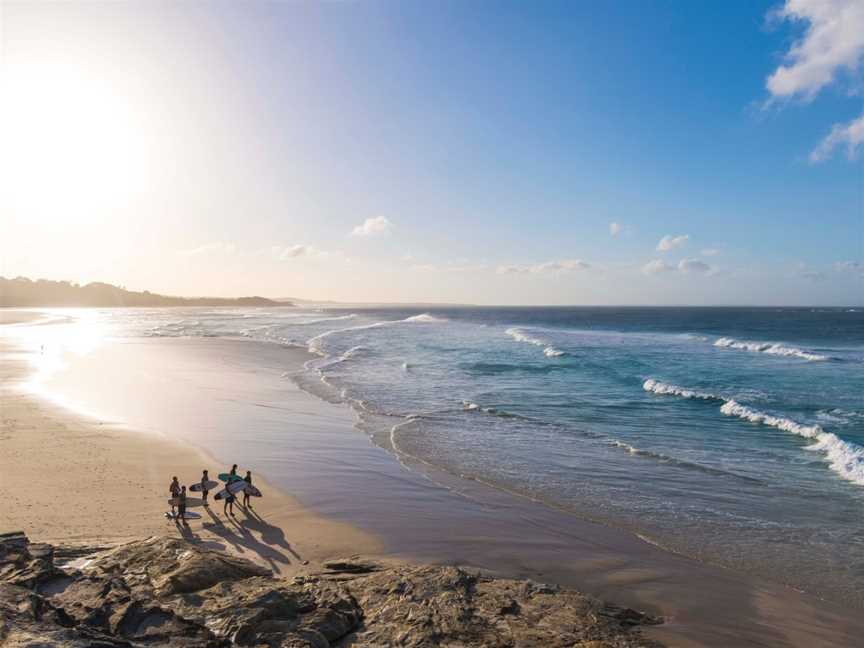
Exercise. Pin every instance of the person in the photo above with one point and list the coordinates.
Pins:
(248, 480)
(233, 472)
(174, 489)
(204, 479)
(229, 504)
(181, 507)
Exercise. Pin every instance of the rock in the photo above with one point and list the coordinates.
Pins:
(350, 566)
(167, 592)
(438, 606)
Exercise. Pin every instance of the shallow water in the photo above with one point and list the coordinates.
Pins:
(731, 435)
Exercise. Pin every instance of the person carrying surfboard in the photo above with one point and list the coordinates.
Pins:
(205, 480)
(233, 472)
(248, 480)
(174, 489)
(228, 509)
(181, 507)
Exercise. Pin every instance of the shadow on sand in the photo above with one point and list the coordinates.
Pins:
(239, 535)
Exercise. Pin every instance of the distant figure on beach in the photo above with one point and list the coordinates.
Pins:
(174, 489)
(248, 480)
(233, 472)
(204, 479)
(181, 507)
(228, 509)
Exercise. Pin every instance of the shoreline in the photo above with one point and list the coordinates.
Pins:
(132, 469)
(472, 524)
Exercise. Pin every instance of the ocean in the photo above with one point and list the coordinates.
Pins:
(734, 436)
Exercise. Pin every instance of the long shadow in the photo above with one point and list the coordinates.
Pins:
(189, 535)
(217, 527)
(270, 534)
(272, 556)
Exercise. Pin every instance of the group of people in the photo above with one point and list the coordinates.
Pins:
(178, 494)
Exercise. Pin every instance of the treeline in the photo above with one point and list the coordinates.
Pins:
(23, 292)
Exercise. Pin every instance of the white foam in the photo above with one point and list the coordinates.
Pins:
(314, 344)
(658, 387)
(423, 317)
(321, 320)
(844, 458)
(771, 348)
(733, 408)
(520, 335)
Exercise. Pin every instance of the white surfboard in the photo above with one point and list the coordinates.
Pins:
(234, 488)
(197, 488)
(190, 515)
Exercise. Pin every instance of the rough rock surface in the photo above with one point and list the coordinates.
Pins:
(167, 592)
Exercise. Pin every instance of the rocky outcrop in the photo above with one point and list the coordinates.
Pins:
(167, 592)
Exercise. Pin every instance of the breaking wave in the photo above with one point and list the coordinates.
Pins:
(520, 335)
(658, 387)
(771, 348)
(314, 344)
(845, 458)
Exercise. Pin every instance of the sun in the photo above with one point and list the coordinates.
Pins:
(74, 144)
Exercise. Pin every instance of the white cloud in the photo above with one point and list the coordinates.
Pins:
(850, 134)
(669, 242)
(687, 266)
(373, 226)
(615, 228)
(710, 252)
(217, 247)
(295, 251)
(834, 40)
(565, 265)
(693, 265)
(657, 266)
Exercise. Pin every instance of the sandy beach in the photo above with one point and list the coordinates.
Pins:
(110, 485)
(352, 498)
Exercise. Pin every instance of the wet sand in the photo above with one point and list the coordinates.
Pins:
(309, 448)
(77, 481)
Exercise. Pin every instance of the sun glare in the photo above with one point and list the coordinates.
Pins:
(72, 144)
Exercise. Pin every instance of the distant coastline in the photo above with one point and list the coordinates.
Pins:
(22, 292)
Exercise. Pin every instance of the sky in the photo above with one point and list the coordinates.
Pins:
(464, 152)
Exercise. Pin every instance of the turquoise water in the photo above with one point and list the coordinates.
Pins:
(731, 435)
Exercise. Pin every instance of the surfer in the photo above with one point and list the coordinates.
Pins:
(181, 507)
(204, 481)
(233, 472)
(229, 504)
(248, 480)
(174, 489)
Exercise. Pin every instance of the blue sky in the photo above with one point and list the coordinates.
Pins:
(488, 146)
